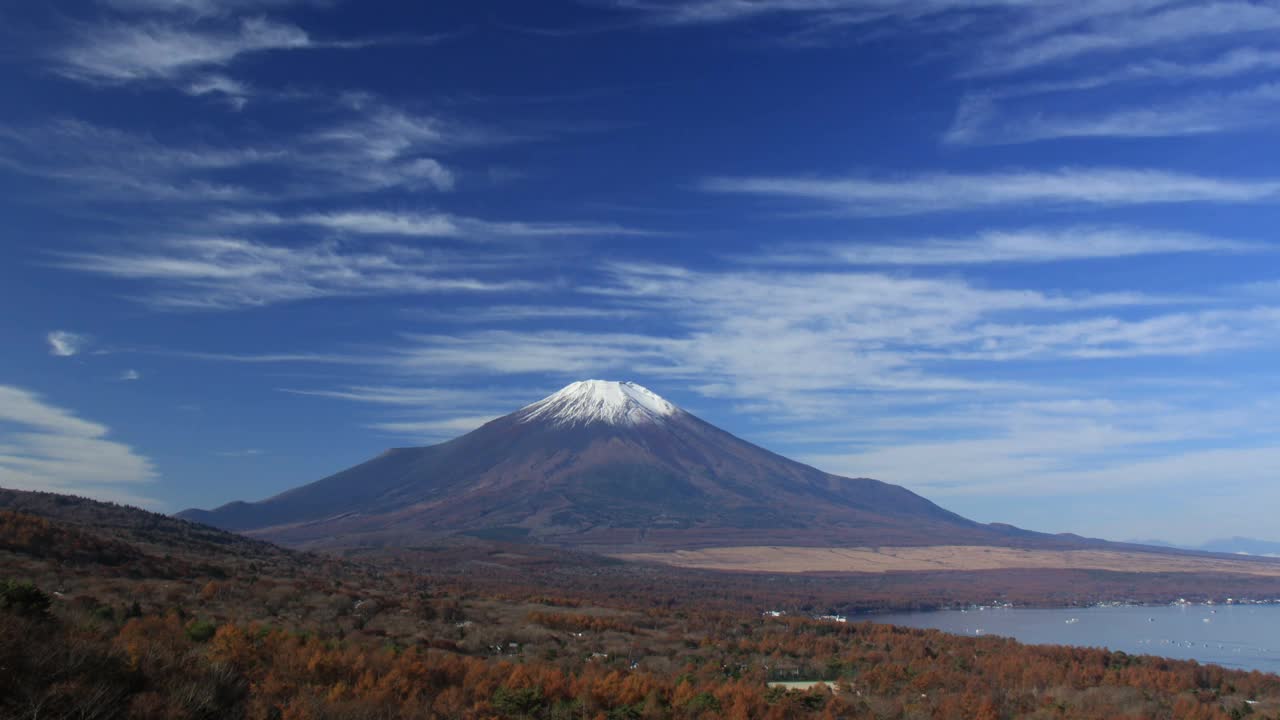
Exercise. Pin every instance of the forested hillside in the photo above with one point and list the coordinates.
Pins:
(109, 612)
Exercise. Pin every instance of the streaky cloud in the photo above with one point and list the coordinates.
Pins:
(430, 225)
(46, 447)
(157, 50)
(955, 192)
(1116, 32)
(1027, 245)
(980, 120)
(226, 273)
(1234, 62)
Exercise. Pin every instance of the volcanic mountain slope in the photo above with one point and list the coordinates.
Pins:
(607, 465)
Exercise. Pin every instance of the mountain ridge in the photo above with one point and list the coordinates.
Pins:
(1236, 545)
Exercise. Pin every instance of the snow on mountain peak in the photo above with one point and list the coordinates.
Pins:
(607, 401)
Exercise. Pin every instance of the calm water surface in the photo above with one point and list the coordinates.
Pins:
(1236, 636)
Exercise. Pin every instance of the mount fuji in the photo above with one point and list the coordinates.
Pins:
(603, 465)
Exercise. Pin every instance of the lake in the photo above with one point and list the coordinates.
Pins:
(1244, 637)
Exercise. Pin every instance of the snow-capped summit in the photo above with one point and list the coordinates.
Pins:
(607, 401)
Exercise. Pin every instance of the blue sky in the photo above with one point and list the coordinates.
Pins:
(1016, 256)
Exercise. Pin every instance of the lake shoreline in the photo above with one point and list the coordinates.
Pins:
(1242, 636)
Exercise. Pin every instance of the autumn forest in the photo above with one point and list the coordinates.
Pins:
(111, 612)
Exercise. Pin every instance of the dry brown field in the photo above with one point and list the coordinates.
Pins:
(781, 559)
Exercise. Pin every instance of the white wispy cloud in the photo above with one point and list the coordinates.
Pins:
(357, 145)
(117, 185)
(45, 447)
(412, 396)
(566, 353)
(65, 344)
(1165, 335)
(377, 146)
(1234, 62)
(782, 337)
(1005, 35)
(980, 120)
(247, 452)
(234, 92)
(116, 164)
(791, 338)
(474, 314)
(1028, 245)
(941, 192)
(692, 12)
(226, 273)
(1114, 32)
(427, 414)
(159, 50)
(1079, 447)
(430, 225)
(434, 429)
(130, 375)
(202, 7)
(767, 334)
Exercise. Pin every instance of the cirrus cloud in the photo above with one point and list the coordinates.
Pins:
(954, 192)
(222, 273)
(46, 447)
(153, 50)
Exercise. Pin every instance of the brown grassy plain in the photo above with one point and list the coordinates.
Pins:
(780, 559)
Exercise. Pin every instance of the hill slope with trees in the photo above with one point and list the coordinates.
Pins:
(139, 615)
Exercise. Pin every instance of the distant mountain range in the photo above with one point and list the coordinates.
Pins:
(598, 465)
(1233, 546)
